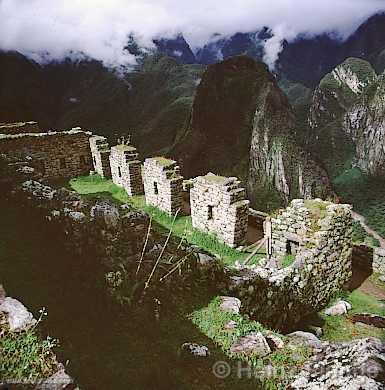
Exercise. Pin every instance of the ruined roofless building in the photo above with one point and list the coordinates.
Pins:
(318, 236)
(100, 151)
(51, 155)
(219, 206)
(126, 168)
(19, 127)
(163, 184)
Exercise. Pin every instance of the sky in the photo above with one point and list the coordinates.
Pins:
(53, 29)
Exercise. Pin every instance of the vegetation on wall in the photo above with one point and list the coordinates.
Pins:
(181, 227)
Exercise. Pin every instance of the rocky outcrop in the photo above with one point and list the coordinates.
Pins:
(355, 365)
(347, 118)
(364, 122)
(242, 124)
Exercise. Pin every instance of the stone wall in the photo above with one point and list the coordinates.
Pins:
(163, 184)
(126, 169)
(19, 127)
(100, 151)
(218, 206)
(51, 155)
(379, 261)
(280, 297)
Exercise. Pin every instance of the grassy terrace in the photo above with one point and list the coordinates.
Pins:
(181, 227)
(211, 321)
(341, 328)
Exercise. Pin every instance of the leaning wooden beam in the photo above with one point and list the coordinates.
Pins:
(255, 251)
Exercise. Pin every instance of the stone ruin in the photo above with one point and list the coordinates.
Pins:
(163, 184)
(19, 127)
(317, 235)
(219, 206)
(100, 151)
(379, 262)
(48, 155)
(126, 168)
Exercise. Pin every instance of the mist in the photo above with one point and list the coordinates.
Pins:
(47, 30)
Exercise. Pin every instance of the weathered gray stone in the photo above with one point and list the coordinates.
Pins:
(339, 308)
(196, 349)
(252, 344)
(305, 339)
(58, 381)
(19, 318)
(230, 304)
(357, 365)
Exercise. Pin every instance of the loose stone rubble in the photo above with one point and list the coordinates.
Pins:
(100, 151)
(219, 206)
(163, 184)
(126, 169)
(357, 365)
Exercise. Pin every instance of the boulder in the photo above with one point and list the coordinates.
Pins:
(274, 341)
(230, 325)
(19, 318)
(304, 339)
(252, 344)
(196, 350)
(339, 308)
(58, 381)
(230, 304)
(204, 259)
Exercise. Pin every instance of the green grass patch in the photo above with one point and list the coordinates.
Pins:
(341, 328)
(288, 260)
(211, 321)
(182, 227)
(25, 357)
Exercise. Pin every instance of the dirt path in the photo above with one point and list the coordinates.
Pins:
(369, 230)
(368, 287)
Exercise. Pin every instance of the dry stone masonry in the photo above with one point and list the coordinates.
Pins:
(218, 206)
(100, 151)
(19, 127)
(317, 235)
(51, 155)
(163, 184)
(379, 261)
(126, 169)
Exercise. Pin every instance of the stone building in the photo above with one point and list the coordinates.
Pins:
(50, 155)
(100, 151)
(19, 127)
(163, 184)
(218, 206)
(126, 169)
(379, 262)
(317, 235)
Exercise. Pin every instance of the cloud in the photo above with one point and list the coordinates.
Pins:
(54, 29)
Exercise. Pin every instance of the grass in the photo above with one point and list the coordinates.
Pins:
(182, 227)
(25, 357)
(341, 328)
(211, 321)
(288, 260)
